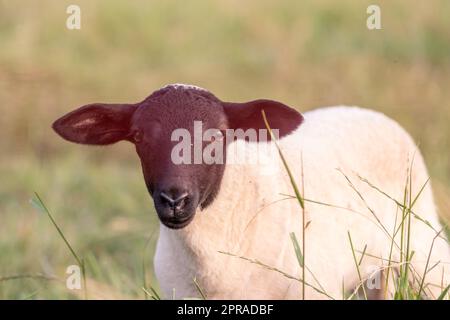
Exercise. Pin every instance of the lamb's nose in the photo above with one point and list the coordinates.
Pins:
(176, 201)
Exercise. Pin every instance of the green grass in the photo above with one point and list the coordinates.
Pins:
(110, 241)
(304, 53)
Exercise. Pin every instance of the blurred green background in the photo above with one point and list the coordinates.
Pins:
(305, 53)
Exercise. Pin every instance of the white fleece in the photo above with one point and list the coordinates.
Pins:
(248, 219)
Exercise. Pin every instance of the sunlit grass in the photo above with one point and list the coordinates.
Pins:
(107, 225)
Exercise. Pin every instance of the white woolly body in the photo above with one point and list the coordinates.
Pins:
(248, 220)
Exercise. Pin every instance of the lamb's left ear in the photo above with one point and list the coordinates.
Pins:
(96, 123)
(248, 115)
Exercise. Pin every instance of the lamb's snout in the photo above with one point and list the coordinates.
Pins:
(175, 206)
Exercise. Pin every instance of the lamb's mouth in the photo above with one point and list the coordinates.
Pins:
(177, 223)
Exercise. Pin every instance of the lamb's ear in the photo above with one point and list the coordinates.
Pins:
(96, 123)
(248, 115)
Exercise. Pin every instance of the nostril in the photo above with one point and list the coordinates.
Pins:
(166, 199)
(181, 199)
(174, 202)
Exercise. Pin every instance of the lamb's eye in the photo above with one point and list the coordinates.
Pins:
(137, 136)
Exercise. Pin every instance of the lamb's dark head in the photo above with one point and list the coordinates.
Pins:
(180, 133)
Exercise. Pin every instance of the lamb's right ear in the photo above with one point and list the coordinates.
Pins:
(96, 123)
(248, 115)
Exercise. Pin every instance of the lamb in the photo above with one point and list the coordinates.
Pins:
(213, 215)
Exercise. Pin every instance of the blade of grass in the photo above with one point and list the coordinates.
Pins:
(405, 232)
(378, 220)
(30, 296)
(332, 206)
(416, 216)
(365, 203)
(286, 275)
(199, 289)
(362, 255)
(297, 194)
(391, 250)
(443, 293)
(144, 264)
(426, 265)
(153, 294)
(298, 251)
(356, 264)
(408, 232)
(304, 226)
(285, 164)
(38, 203)
(37, 276)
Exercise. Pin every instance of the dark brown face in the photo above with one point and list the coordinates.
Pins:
(169, 118)
(178, 189)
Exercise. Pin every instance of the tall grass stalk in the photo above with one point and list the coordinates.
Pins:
(404, 289)
(144, 268)
(199, 289)
(391, 250)
(426, 265)
(152, 293)
(408, 231)
(444, 293)
(299, 197)
(357, 265)
(304, 226)
(39, 204)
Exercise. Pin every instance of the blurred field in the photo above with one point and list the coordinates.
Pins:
(304, 53)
